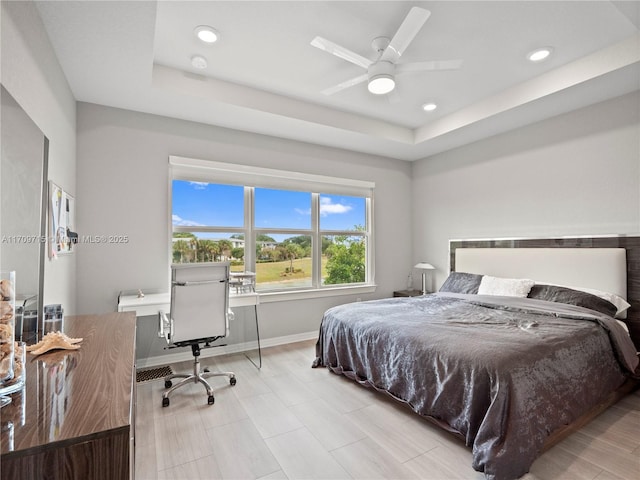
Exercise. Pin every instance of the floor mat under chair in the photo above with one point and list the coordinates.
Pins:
(153, 374)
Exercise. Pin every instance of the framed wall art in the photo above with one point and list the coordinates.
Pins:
(62, 230)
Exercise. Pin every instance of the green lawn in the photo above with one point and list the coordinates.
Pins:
(273, 272)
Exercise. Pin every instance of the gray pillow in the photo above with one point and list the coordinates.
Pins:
(553, 293)
(461, 282)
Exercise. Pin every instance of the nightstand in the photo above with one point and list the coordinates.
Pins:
(407, 293)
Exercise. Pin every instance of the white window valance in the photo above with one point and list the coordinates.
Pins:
(183, 168)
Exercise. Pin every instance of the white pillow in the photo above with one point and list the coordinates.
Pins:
(506, 287)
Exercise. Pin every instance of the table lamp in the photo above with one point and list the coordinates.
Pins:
(424, 267)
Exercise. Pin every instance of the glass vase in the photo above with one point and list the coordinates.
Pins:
(7, 326)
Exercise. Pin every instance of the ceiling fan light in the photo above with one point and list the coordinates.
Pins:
(206, 34)
(381, 84)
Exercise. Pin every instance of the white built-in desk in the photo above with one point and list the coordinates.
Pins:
(152, 303)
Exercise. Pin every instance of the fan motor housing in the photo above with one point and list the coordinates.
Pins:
(380, 43)
(381, 67)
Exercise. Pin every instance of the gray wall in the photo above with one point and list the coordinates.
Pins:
(123, 190)
(575, 174)
(32, 75)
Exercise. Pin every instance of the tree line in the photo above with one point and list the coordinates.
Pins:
(345, 255)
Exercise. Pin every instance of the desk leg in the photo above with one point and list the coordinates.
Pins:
(259, 364)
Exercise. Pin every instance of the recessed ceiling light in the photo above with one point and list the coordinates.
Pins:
(207, 34)
(539, 54)
(429, 107)
(199, 62)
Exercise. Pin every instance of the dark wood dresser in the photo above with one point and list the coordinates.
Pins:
(74, 419)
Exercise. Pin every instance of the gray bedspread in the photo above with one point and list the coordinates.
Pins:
(503, 373)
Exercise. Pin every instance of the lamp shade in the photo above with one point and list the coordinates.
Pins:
(424, 266)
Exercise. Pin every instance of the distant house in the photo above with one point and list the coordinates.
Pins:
(267, 245)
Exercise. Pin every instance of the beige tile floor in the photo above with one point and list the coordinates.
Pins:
(289, 421)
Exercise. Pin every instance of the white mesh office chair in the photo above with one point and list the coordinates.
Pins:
(199, 315)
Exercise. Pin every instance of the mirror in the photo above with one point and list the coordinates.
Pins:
(23, 207)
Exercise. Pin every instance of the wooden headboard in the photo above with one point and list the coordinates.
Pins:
(631, 246)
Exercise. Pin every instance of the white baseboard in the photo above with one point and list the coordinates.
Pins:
(185, 354)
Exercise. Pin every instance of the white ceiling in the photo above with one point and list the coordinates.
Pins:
(265, 77)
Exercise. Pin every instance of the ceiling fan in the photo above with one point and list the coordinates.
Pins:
(381, 72)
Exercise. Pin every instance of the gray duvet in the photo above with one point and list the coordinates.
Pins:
(501, 372)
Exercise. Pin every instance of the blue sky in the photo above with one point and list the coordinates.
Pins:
(203, 204)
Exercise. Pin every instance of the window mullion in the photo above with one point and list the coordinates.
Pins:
(370, 268)
(250, 241)
(316, 243)
(189, 229)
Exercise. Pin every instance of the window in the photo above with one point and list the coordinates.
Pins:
(299, 233)
(207, 223)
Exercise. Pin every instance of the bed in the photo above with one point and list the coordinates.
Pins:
(505, 355)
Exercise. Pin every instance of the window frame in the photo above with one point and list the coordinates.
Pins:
(188, 169)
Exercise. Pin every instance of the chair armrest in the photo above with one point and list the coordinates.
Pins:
(165, 326)
(230, 317)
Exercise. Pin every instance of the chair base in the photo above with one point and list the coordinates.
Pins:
(196, 377)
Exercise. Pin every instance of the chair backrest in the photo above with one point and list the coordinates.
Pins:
(199, 301)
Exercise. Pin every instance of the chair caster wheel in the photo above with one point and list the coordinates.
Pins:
(232, 381)
(211, 400)
(167, 384)
(165, 401)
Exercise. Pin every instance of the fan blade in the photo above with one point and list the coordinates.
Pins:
(349, 83)
(409, 28)
(428, 66)
(338, 51)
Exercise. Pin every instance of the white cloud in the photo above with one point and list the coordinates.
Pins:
(181, 222)
(326, 208)
(329, 208)
(199, 185)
